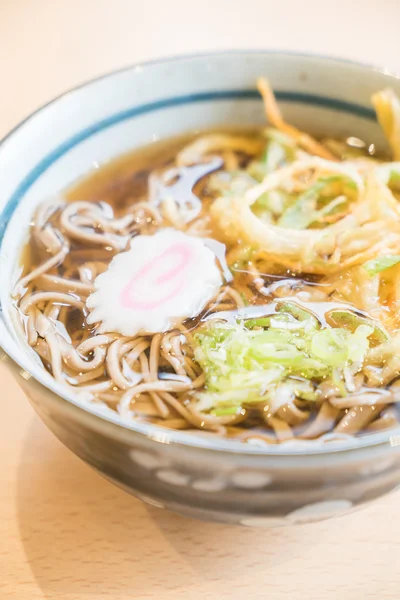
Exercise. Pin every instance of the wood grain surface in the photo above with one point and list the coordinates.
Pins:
(64, 531)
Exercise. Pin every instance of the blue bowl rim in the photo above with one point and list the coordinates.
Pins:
(211, 54)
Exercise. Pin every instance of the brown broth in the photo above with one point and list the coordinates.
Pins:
(121, 184)
(123, 180)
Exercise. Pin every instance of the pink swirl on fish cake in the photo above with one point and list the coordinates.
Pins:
(146, 277)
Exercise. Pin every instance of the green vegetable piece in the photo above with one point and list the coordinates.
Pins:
(297, 311)
(244, 365)
(280, 150)
(377, 265)
(303, 389)
(261, 322)
(243, 296)
(289, 315)
(332, 208)
(394, 181)
(304, 211)
(351, 321)
(226, 411)
(330, 346)
(275, 155)
(275, 200)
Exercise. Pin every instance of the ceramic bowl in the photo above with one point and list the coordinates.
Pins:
(74, 134)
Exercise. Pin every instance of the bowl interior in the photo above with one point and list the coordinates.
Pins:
(88, 126)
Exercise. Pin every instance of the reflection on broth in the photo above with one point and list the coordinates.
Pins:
(242, 283)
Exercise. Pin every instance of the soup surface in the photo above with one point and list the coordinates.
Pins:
(241, 283)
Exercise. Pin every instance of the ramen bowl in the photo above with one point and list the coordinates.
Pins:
(214, 479)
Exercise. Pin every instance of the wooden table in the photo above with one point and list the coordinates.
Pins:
(65, 533)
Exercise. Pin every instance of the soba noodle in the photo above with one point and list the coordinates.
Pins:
(312, 268)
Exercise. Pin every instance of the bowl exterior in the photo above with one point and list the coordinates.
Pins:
(253, 490)
(90, 125)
